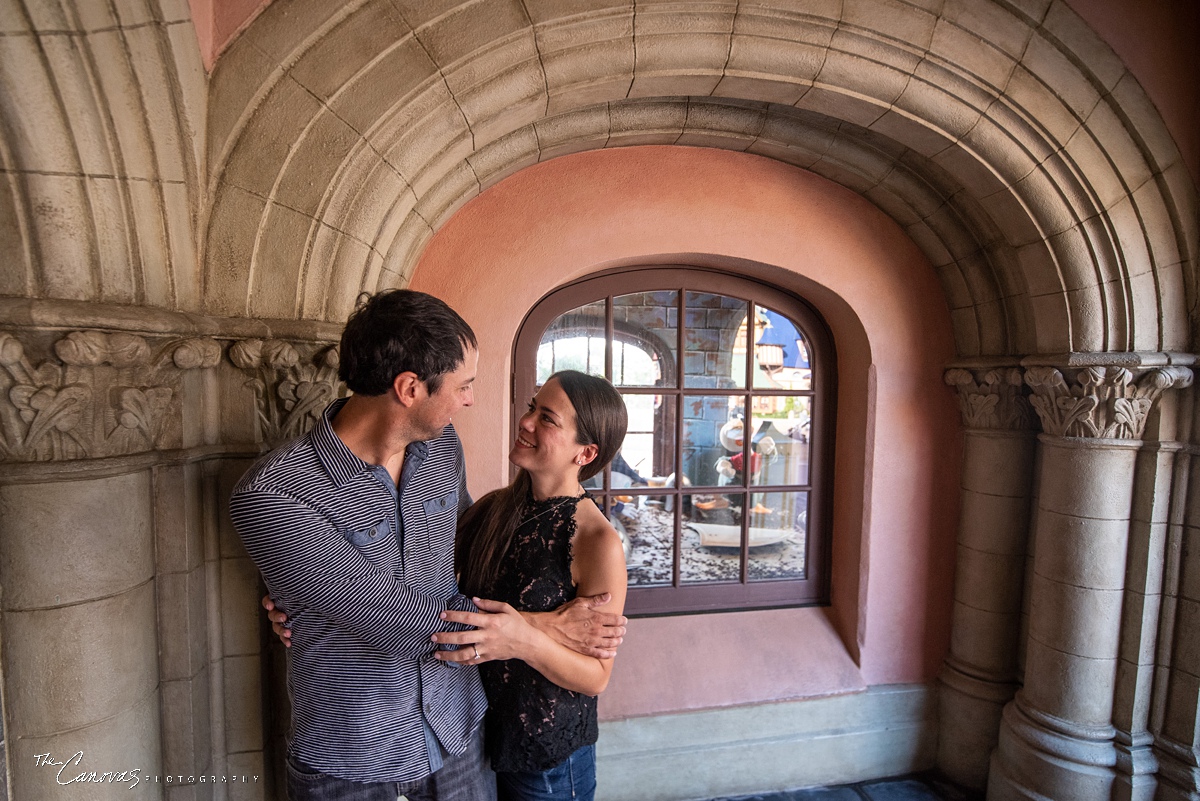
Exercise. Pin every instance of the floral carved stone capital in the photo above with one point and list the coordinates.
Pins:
(992, 398)
(106, 394)
(291, 389)
(1102, 402)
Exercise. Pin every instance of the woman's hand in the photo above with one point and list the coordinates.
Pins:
(500, 633)
(278, 621)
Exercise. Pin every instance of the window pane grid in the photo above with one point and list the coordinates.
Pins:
(769, 386)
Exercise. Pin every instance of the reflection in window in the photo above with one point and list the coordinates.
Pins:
(631, 364)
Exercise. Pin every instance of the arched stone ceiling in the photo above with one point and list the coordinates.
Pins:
(1007, 140)
(102, 110)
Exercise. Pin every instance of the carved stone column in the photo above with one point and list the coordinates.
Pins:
(979, 676)
(129, 616)
(1057, 738)
(80, 415)
(1176, 705)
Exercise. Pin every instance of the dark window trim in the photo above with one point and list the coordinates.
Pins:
(812, 590)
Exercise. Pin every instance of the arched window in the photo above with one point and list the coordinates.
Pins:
(719, 374)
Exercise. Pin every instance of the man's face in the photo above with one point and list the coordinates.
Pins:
(434, 412)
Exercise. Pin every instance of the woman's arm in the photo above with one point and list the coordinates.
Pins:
(598, 567)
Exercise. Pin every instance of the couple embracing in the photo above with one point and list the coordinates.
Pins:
(438, 649)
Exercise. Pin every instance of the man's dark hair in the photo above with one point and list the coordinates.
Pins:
(397, 331)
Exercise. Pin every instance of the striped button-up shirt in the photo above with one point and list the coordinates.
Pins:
(364, 580)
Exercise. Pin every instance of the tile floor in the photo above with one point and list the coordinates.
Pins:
(904, 788)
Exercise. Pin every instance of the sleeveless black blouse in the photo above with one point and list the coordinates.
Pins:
(533, 724)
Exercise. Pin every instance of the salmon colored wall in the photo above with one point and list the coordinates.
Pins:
(218, 22)
(897, 465)
(1157, 40)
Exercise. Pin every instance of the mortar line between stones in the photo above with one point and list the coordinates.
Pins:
(155, 23)
(541, 62)
(633, 69)
(82, 601)
(98, 176)
(438, 67)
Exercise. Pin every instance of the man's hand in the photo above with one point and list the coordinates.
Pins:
(278, 621)
(500, 632)
(577, 625)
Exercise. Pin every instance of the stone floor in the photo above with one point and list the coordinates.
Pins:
(904, 788)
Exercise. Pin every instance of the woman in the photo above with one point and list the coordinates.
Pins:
(531, 547)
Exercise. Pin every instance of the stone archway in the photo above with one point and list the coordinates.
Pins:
(1017, 149)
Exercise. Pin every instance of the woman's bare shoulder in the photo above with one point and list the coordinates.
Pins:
(592, 529)
(598, 557)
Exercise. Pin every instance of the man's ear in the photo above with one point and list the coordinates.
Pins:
(407, 388)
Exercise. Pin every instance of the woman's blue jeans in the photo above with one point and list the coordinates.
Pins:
(574, 779)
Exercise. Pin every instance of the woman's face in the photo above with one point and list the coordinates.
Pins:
(546, 434)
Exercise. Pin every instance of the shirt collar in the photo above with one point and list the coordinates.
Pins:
(414, 456)
(339, 461)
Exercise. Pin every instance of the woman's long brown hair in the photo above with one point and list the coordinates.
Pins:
(486, 530)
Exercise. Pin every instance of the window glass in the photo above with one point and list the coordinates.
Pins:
(649, 523)
(781, 358)
(711, 545)
(780, 426)
(714, 341)
(649, 447)
(646, 337)
(574, 341)
(712, 436)
(778, 528)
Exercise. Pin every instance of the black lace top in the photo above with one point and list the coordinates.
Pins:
(532, 723)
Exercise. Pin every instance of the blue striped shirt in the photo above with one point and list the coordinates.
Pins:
(363, 580)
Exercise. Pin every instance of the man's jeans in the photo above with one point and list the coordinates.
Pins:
(465, 777)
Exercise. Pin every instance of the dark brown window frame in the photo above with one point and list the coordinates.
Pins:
(684, 598)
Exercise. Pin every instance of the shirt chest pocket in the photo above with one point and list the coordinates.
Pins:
(376, 542)
(441, 520)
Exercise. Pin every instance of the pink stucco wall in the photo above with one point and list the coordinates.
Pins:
(896, 471)
(218, 22)
(1157, 40)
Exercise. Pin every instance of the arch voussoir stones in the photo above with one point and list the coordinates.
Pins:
(1017, 142)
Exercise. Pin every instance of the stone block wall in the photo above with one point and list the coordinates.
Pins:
(130, 624)
(712, 323)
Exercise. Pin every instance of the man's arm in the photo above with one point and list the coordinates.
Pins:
(503, 633)
(575, 625)
(579, 625)
(308, 565)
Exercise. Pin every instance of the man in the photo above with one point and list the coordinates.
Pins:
(352, 527)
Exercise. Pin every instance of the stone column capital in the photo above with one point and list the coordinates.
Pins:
(100, 393)
(292, 384)
(95, 393)
(992, 397)
(1100, 401)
